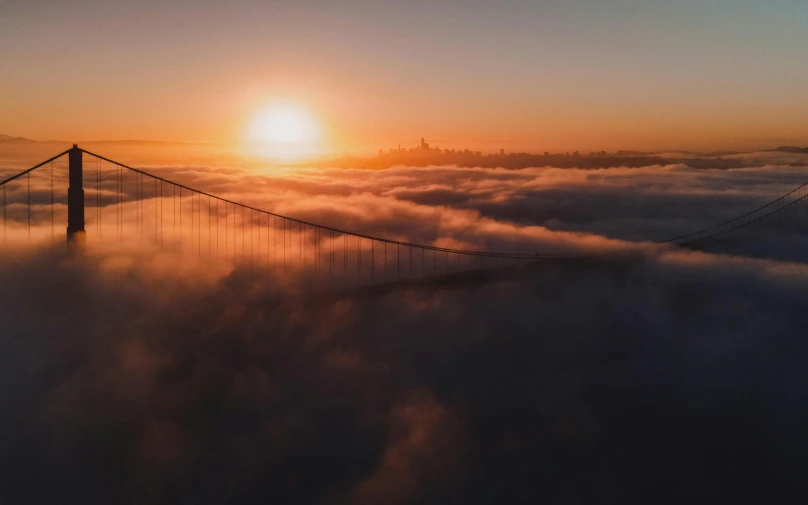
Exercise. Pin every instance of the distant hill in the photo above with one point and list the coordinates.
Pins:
(632, 153)
(146, 143)
(674, 153)
(792, 149)
(8, 138)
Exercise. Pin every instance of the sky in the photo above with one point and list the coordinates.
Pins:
(513, 74)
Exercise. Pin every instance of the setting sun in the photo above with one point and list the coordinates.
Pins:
(283, 131)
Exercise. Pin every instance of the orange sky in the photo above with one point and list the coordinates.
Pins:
(517, 74)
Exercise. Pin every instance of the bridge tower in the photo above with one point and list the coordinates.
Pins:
(75, 197)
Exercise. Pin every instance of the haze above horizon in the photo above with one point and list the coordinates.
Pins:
(516, 74)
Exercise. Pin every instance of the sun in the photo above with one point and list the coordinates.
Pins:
(285, 131)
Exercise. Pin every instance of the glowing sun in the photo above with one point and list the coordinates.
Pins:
(283, 131)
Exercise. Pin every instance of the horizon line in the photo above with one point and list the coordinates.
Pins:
(374, 151)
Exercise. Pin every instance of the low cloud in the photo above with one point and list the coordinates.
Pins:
(656, 376)
(537, 210)
(563, 382)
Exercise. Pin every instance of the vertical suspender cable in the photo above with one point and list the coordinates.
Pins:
(98, 188)
(118, 201)
(268, 250)
(52, 204)
(142, 205)
(330, 255)
(300, 251)
(330, 252)
(5, 195)
(120, 205)
(284, 244)
(28, 177)
(316, 252)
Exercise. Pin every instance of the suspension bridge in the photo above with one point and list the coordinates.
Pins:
(102, 201)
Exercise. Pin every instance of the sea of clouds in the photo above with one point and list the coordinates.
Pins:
(660, 376)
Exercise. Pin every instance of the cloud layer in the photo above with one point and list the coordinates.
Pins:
(537, 210)
(660, 376)
(650, 379)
